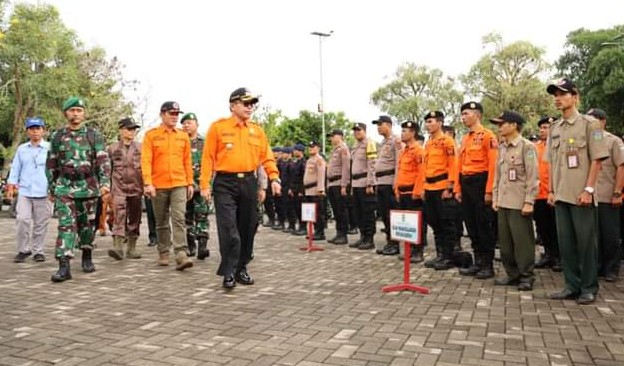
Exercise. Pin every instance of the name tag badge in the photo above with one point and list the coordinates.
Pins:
(512, 174)
(572, 159)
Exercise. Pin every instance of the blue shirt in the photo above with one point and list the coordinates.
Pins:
(28, 170)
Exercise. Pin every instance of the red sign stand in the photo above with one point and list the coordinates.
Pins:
(406, 285)
(311, 247)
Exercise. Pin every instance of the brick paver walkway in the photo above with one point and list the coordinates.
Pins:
(322, 308)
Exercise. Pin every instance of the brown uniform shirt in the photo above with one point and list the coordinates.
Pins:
(583, 135)
(314, 176)
(363, 164)
(387, 160)
(606, 177)
(339, 168)
(516, 178)
(126, 176)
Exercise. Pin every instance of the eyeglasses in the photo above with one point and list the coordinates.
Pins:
(249, 104)
(173, 113)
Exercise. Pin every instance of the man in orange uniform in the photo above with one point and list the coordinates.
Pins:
(476, 166)
(408, 187)
(234, 148)
(544, 214)
(440, 177)
(168, 179)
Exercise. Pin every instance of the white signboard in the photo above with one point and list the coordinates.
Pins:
(308, 212)
(405, 226)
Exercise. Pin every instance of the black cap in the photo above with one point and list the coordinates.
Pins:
(244, 95)
(472, 105)
(508, 116)
(335, 132)
(410, 124)
(381, 119)
(299, 147)
(359, 126)
(545, 119)
(170, 106)
(313, 143)
(565, 85)
(434, 114)
(598, 113)
(128, 123)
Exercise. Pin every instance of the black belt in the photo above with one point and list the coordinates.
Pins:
(236, 175)
(359, 175)
(404, 189)
(383, 173)
(334, 178)
(437, 178)
(310, 185)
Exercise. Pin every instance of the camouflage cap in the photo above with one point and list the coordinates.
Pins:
(73, 102)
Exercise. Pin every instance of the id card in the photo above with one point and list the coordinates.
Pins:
(512, 174)
(572, 159)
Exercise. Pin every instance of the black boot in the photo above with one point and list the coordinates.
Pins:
(474, 269)
(87, 261)
(278, 226)
(358, 242)
(63, 272)
(416, 254)
(269, 223)
(341, 239)
(202, 248)
(367, 243)
(487, 267)
(190, 242)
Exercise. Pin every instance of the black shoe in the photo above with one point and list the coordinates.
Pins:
(202, 248)
(300, 232)
(278, 226)
(586, 299)
(87, 261)
(332, 240)
(21, 257)
(525, 286)
(443, 265)
(417, 254)
(556, 266)
(470, 271)
(318, 236)
(229, 282)
(485, 273)
(391, 249)
(243, 277)
(63, 272)
(367, 245)
(356, 244)
(341, 240)
(611, 278)
(353, 231)
(152, 243)
(563, 295)
(379, 251)
(269, 223)
(288, 230)
(383, 230)
(431, 263)
(192, 245)
(39, 257)
(544, 262)
(506, 281)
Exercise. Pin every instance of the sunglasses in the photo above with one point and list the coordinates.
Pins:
(173, 113)
(249, 104)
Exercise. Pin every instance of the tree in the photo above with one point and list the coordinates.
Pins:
(595, 61)
(509, 77)
(415, 90)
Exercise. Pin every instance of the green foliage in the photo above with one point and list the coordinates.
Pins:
(509, 77)
(415, 90)
(595, 61)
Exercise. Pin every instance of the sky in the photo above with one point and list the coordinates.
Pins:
(198, 52)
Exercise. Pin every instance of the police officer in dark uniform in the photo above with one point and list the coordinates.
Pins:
(296, 169)
(280, 209)
(269, 202)
(286, 198)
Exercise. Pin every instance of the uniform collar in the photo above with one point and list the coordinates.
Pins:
(235, 122)
(515, 141)
(478, 129)
(163, 128)
(572, 118)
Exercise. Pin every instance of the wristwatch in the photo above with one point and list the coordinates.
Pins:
(589, 190)
(276, 180)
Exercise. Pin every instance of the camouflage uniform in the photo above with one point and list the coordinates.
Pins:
(196, 208)
(76, 169)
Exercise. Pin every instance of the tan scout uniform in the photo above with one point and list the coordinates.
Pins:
(314, 191)
(515, 184)
(607, 189)
(572, 146)
(386, 167)
(338, 177)
(362, 177)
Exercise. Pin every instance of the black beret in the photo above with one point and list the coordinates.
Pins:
(472, 105)
(434, 114)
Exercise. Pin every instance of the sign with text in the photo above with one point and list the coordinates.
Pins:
(405, 226)
(308, 212)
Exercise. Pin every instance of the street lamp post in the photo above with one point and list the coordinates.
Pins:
(321, 108)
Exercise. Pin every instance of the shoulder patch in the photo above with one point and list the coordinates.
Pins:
(598, 134)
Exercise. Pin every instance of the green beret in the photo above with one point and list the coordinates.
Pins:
(188, 116)
(73, 102)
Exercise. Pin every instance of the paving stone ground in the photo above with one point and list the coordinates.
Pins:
(321, 308)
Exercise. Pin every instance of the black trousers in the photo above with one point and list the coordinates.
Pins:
(339, 207)
(478, 216)
(351, 210)
(546, 226)
(364, 210)
(609, 249)
(280, 211)
(294, 207)
(235, 202)
(269, 204)
(319, 225)
(151, 220)
(442, 217)
(386, 202)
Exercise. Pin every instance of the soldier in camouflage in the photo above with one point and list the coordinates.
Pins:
(196, 208)
(78, 171)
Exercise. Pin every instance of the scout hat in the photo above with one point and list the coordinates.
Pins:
(545, 119)
(382, 119)
(565, 85)
(508, 116)
(128, 123)
(73, 102)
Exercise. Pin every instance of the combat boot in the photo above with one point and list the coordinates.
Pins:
(182, 261)
(368, 243)
(357, 243)
(341, 239)
(163, 258)
(190, 242)
(87, 261)
(474, 269)
(63, 272)
(202, 248)
(131, 252)
(487, 268)
(117, 251)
